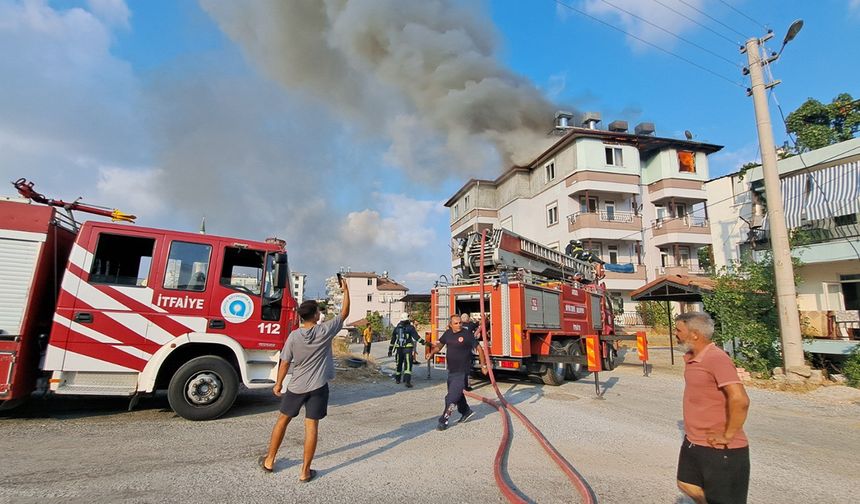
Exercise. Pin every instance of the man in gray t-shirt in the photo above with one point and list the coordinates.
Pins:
(308, 354)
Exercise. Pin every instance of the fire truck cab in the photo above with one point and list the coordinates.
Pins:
(113, 309)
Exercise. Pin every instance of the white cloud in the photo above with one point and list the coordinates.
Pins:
(67, 105)
(113, 12)
(131, 191)
(667, 18)
(725, 162)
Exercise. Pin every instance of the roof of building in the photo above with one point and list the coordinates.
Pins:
(674, 288)
(359, 274)
(415, 298)
(387, 284)
(383, 283)
(645, 143)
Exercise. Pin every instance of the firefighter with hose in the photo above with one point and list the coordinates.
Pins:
(403, 340)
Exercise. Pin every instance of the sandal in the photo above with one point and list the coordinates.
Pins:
(312, 476)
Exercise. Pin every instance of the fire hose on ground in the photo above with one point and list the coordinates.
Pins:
(503, 406)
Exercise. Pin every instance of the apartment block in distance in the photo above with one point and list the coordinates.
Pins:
(369, 292)
(632, 198)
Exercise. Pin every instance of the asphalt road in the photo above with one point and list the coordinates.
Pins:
(379, 445)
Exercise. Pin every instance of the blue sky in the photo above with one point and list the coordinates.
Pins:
(279, 118)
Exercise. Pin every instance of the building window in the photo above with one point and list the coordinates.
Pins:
(553, 246)
(687, 161)
(466, 202)
(609, 207)
(369, 281)
(614, 157)
(591, 207)
(613, 254)
(456, 211)
(595, 248)
(549, 172)
(552, 214)
(370, 298)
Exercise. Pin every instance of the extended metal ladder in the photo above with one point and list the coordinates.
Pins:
(507, 251)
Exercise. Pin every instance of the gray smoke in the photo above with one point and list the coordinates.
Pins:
(423, 75)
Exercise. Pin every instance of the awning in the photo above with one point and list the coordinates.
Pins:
(834, 191)
(674, 288)
(794, 200)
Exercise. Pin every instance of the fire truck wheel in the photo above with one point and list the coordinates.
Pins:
(610, 357)
(575, 370)
(203, 388)
(553, 374)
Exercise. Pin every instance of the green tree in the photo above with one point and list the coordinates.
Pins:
(420, 312)
(654, 314)
(818, 125)
(377, 325)
(743, 305)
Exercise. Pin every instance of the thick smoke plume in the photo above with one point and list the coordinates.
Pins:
(423, 75)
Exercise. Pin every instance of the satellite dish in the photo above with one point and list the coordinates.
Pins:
(688, 134)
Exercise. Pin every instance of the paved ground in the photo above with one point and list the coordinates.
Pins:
(378, 445)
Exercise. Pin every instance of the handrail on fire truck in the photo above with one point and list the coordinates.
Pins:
(25, 188)
(505, 250)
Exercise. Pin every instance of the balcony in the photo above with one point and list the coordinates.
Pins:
(677, 188)
(819, 241)
(687, 229)
(687, 270)
(611, 225)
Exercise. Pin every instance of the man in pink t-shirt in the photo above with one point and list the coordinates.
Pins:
(714, 463)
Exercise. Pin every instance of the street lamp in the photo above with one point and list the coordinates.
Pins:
(786, 295)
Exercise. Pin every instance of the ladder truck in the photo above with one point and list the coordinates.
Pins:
(111, 309)
(540, 305)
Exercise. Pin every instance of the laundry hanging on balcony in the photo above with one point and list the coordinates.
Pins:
(620, 268)
(834, 191)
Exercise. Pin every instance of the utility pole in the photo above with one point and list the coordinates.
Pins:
(786, 296)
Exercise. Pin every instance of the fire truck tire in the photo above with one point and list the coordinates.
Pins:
(610, 357)
(574, 371)
(554, 373)
(203, 388)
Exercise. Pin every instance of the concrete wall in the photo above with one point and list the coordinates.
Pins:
(665, 165)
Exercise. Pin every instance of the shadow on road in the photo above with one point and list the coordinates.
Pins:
(392, 438)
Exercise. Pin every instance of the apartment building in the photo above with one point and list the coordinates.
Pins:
(298, 282)
(632, 198)
(821, 196)
(369, 292)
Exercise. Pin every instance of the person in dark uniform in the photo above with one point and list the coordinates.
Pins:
(403, 340)
(460, 343)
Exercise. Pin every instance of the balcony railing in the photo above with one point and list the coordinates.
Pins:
(629, 318)
(605, 216)
(689, 269)
(813, 232)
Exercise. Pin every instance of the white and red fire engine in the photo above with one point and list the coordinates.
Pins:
(112, 309)
(539, 305)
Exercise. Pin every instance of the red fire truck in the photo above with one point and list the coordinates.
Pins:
(539, 306)
(116, 310)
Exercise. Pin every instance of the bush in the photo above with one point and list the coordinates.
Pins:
(851, 368)
(653, 313)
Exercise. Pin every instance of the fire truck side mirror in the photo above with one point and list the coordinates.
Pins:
(281, 271)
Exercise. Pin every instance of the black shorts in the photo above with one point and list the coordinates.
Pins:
(724, 474)
(315, 403)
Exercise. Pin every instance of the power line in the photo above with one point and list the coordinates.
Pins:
(672, 33)
(688, 18)
(559, 2)
(730, 6)
(713, 18)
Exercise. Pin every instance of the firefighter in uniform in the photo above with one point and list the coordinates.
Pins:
(403, 340)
